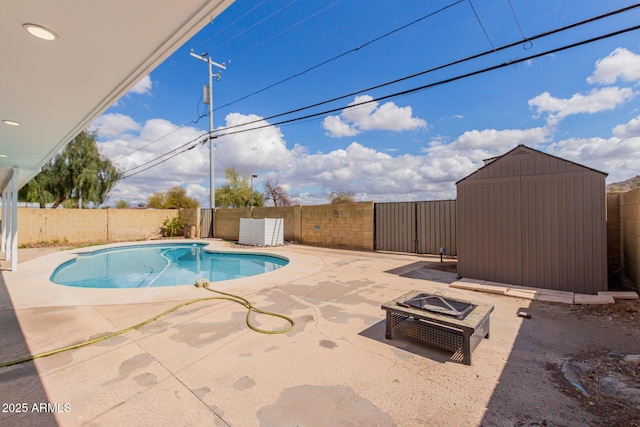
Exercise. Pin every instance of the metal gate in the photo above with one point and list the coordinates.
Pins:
(206, 222)
(416, 227)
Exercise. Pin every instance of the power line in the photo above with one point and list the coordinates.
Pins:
(305, 71)
(483, 29)
(125, 176)
(406, 92)
(527, 46)
(439, 83)
(257, 23)
(200, 116)
(127, 173)
(162, 137)
(513, 12)
(236, 20)
(302, 21)
(450, 64)
(355, 49)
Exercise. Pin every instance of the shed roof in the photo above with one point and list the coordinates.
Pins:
(523, 149)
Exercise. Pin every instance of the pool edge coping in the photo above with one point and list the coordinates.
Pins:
(30, 287)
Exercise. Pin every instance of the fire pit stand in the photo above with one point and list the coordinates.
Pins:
(436, 328)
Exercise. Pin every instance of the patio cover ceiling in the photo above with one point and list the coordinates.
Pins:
(54, 89)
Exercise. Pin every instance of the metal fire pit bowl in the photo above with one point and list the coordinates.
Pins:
(439, 304)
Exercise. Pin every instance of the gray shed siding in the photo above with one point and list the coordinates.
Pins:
(532, 219)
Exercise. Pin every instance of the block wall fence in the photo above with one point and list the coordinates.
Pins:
(623, 235)
(347, 226)
(94, 225)
(630, 234)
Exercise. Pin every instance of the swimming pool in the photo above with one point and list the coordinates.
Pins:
(155, 265)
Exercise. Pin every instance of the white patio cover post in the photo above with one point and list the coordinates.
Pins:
(14, 219)
(7, 254)
(4, 221)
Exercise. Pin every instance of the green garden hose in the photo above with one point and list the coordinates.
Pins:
(199, 283)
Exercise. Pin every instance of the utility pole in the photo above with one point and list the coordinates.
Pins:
(252, 176)
(204, 57)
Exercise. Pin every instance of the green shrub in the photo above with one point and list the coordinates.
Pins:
(172, 227)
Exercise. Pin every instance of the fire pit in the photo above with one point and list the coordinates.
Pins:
(439, 304)
(447, 323)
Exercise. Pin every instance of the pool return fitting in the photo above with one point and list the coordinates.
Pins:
(200, 283)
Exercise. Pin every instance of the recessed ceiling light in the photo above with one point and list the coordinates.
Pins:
(2, 156)
(40, 32)
(11, 123)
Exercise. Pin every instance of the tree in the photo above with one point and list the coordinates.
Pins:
(37, 191)
(175, 198)
(342, 197)
(236, 193)
(274, 191)
(79, 174)
(122, 204)
(156, 201)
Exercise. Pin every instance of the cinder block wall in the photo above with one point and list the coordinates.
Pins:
(291, 215)
(630, 227)
(614, 243)
(94, 225)
(136, 224)
(226, 222)
(61, 225)
(192, 218)
(348, 225)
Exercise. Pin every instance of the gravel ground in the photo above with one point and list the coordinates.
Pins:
(600, 344)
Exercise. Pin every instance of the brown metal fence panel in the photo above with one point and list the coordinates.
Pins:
(206, 223)
(395, 227)
(436, 225)
(416, 227)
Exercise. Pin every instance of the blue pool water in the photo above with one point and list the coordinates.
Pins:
(160, 265)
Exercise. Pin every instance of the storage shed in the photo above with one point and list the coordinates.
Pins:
(532, 219)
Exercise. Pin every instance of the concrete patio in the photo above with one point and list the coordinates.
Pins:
(201, 365)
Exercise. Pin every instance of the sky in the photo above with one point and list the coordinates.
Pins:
(363, 133)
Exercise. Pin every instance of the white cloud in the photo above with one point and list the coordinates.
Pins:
(198, 192)
(143, 87)
(492, 139)
(337, 128)
(371, 116)
(628, 130)
(616, 156)
(620, 64)
(374, 175)
(595, 101)
(153, 139)
(249, 151)
(371, 174)
(114, 124)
